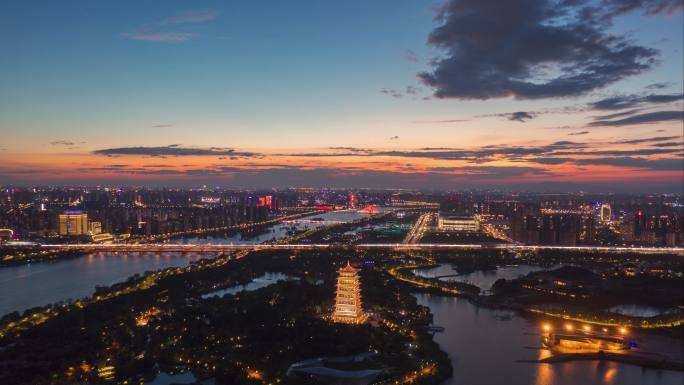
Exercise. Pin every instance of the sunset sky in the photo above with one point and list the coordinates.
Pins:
(457, 94)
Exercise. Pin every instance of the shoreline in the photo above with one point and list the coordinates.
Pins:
(625, 358)
(234, 229)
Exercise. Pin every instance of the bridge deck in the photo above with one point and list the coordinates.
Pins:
(241, 246)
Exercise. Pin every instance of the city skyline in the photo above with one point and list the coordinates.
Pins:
(410, 192)
(345, 95)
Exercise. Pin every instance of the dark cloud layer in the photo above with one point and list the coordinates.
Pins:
(478, 155)
(512, 178)
(518, 116)
(645, 118)
(533, 48)
(616, 7)
(664, 164)
(173, 150)
(617, 114)
(630, 101)
(647, 140)
(340, 177)
(680, 145)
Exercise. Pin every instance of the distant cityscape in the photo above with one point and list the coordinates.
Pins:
(336, 286)
(64, 215)
(442, 192)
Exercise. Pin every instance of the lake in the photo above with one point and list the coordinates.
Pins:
(25, 286)
(484, 345)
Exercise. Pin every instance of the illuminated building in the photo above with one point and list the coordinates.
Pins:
(94, 228)
(348, 298)
(6, 235)
(457, 223)
(557, 228)
(352, 200)
(583, 341)
(606, 214)
(265, 201)
(73, 223)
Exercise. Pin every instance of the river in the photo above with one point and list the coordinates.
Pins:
(37, 284)
(484, 279)
(485, 344)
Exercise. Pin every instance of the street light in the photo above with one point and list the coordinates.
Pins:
(569, 327)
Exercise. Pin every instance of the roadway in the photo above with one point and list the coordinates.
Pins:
(170, 247)
(418, 229)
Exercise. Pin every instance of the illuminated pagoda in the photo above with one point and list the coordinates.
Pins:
(348, 299)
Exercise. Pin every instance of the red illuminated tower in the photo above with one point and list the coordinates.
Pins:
(352, 200)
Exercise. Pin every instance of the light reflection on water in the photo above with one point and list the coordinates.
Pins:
(277, 231)
(639, 310)
(26, 286)
(484, 279)
(484, 348)
(479, 339)
(262, 281)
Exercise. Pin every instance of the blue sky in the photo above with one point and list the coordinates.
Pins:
(274, 76)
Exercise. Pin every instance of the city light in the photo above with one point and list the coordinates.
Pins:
(477, 192)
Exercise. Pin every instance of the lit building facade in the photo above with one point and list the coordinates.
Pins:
(6, 235)
(73, 223)
(348, 299)
(606, 214)
(457, 223)
(95, 228)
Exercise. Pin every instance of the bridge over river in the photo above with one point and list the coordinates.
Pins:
(226, 247)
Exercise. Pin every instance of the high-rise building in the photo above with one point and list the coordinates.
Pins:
(73, 223)
(348, 299)
(352, 200)
(606, 213)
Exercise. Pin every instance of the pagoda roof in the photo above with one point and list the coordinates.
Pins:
(348, 268)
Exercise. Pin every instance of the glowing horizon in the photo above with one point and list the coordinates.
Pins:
(247, 96)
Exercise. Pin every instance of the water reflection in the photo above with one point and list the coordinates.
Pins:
(639, 310)
(484, 279)
(26, 286)
(485, 348)
(173, 379)
(274, 232)
(545, 375)
(255, 284)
